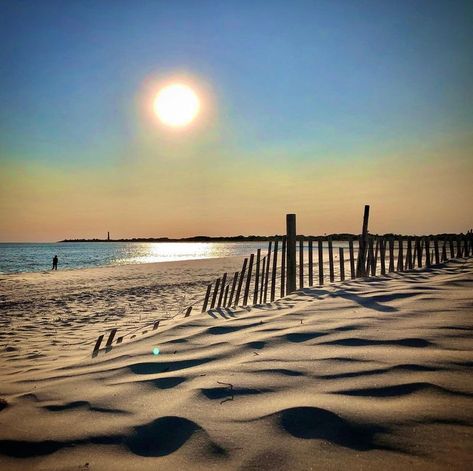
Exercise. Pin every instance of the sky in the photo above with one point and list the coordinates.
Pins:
(308, 107)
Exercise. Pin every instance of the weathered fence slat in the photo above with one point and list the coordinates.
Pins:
(375, 258)
(311, 263)
(382, 255)
(232, 292)
(240, 281)
(391, 254)
(283, 267)
(225, 297)
(400, 258)
(266, 275)
(222, 290)
(97, 344)
(330, 260)
(436, 250)
(206, 299)
(352, 259)
(274, 273)
(419, 252)
(409, 254)
(321, 262)
(427, 252)
(301, 263)
(257, 274)
(452, 250)
(342, 264)
(111, 337)
(214, 297)
(248, 280)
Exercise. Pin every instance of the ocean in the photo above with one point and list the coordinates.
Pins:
(37, 257)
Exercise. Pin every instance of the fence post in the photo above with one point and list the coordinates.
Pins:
(311, 263)
(342, 264)
(375, 258)
(391, 253)
(206, 300)
(301, 263)
(273, 277)
(222, 290)
(240, 281)
(214, 297)
(321, 262)
(452, 250)
(362, 248)
(330, 260)
(419, 252)
(291, 253)
(266, 273)
(232, 292)
(444, 251)
(382, 255)
(256, 287)
(352, 259)
(409, 254)
(400, 256)
(248, 280)
(283, 267)
(226, 296)
(436, 249)
(427, 252)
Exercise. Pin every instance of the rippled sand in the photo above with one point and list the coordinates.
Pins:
(365, 374)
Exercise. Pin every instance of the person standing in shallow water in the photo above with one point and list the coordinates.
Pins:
(55, 260)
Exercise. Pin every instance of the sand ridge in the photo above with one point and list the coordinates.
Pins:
(361, 374)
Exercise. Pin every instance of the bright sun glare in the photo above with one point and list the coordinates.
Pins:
(176, 105)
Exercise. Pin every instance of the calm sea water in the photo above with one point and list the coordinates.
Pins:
(28, 257)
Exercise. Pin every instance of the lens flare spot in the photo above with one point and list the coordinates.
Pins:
(155, 351)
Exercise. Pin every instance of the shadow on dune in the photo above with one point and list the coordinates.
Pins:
(401, 390)
(165, 383)
(222, 393)
(149, 368)
(160, 437)
(357, 342)
(311, 423)
(82, 405)
(302, 337)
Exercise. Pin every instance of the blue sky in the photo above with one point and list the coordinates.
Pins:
(298, 81)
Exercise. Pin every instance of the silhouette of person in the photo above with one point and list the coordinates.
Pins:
(55, 260)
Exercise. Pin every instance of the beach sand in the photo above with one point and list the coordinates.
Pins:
(363, 374)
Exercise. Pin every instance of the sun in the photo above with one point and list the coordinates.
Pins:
(176, 105)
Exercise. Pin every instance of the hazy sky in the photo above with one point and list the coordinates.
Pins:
(312, 107)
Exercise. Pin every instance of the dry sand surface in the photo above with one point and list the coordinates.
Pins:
(367, 374)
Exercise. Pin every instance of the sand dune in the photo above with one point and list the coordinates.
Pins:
(359, 375)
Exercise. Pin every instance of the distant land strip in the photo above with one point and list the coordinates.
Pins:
(241, 238)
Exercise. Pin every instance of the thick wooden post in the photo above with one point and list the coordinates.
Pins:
(391, 253)
(214, 297)
(283, 267)
(342, 263)
(360, 269)
(311, 263)
(206, 300)
(232, 292)
(301, 263)
(321, 262)
(382, 255)
(275, 267)
(291, 253)
(240, 282)
(248, 281)
(330, 260)
(256, 287)
(352, 259)
(266, 272)
(222, 290)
